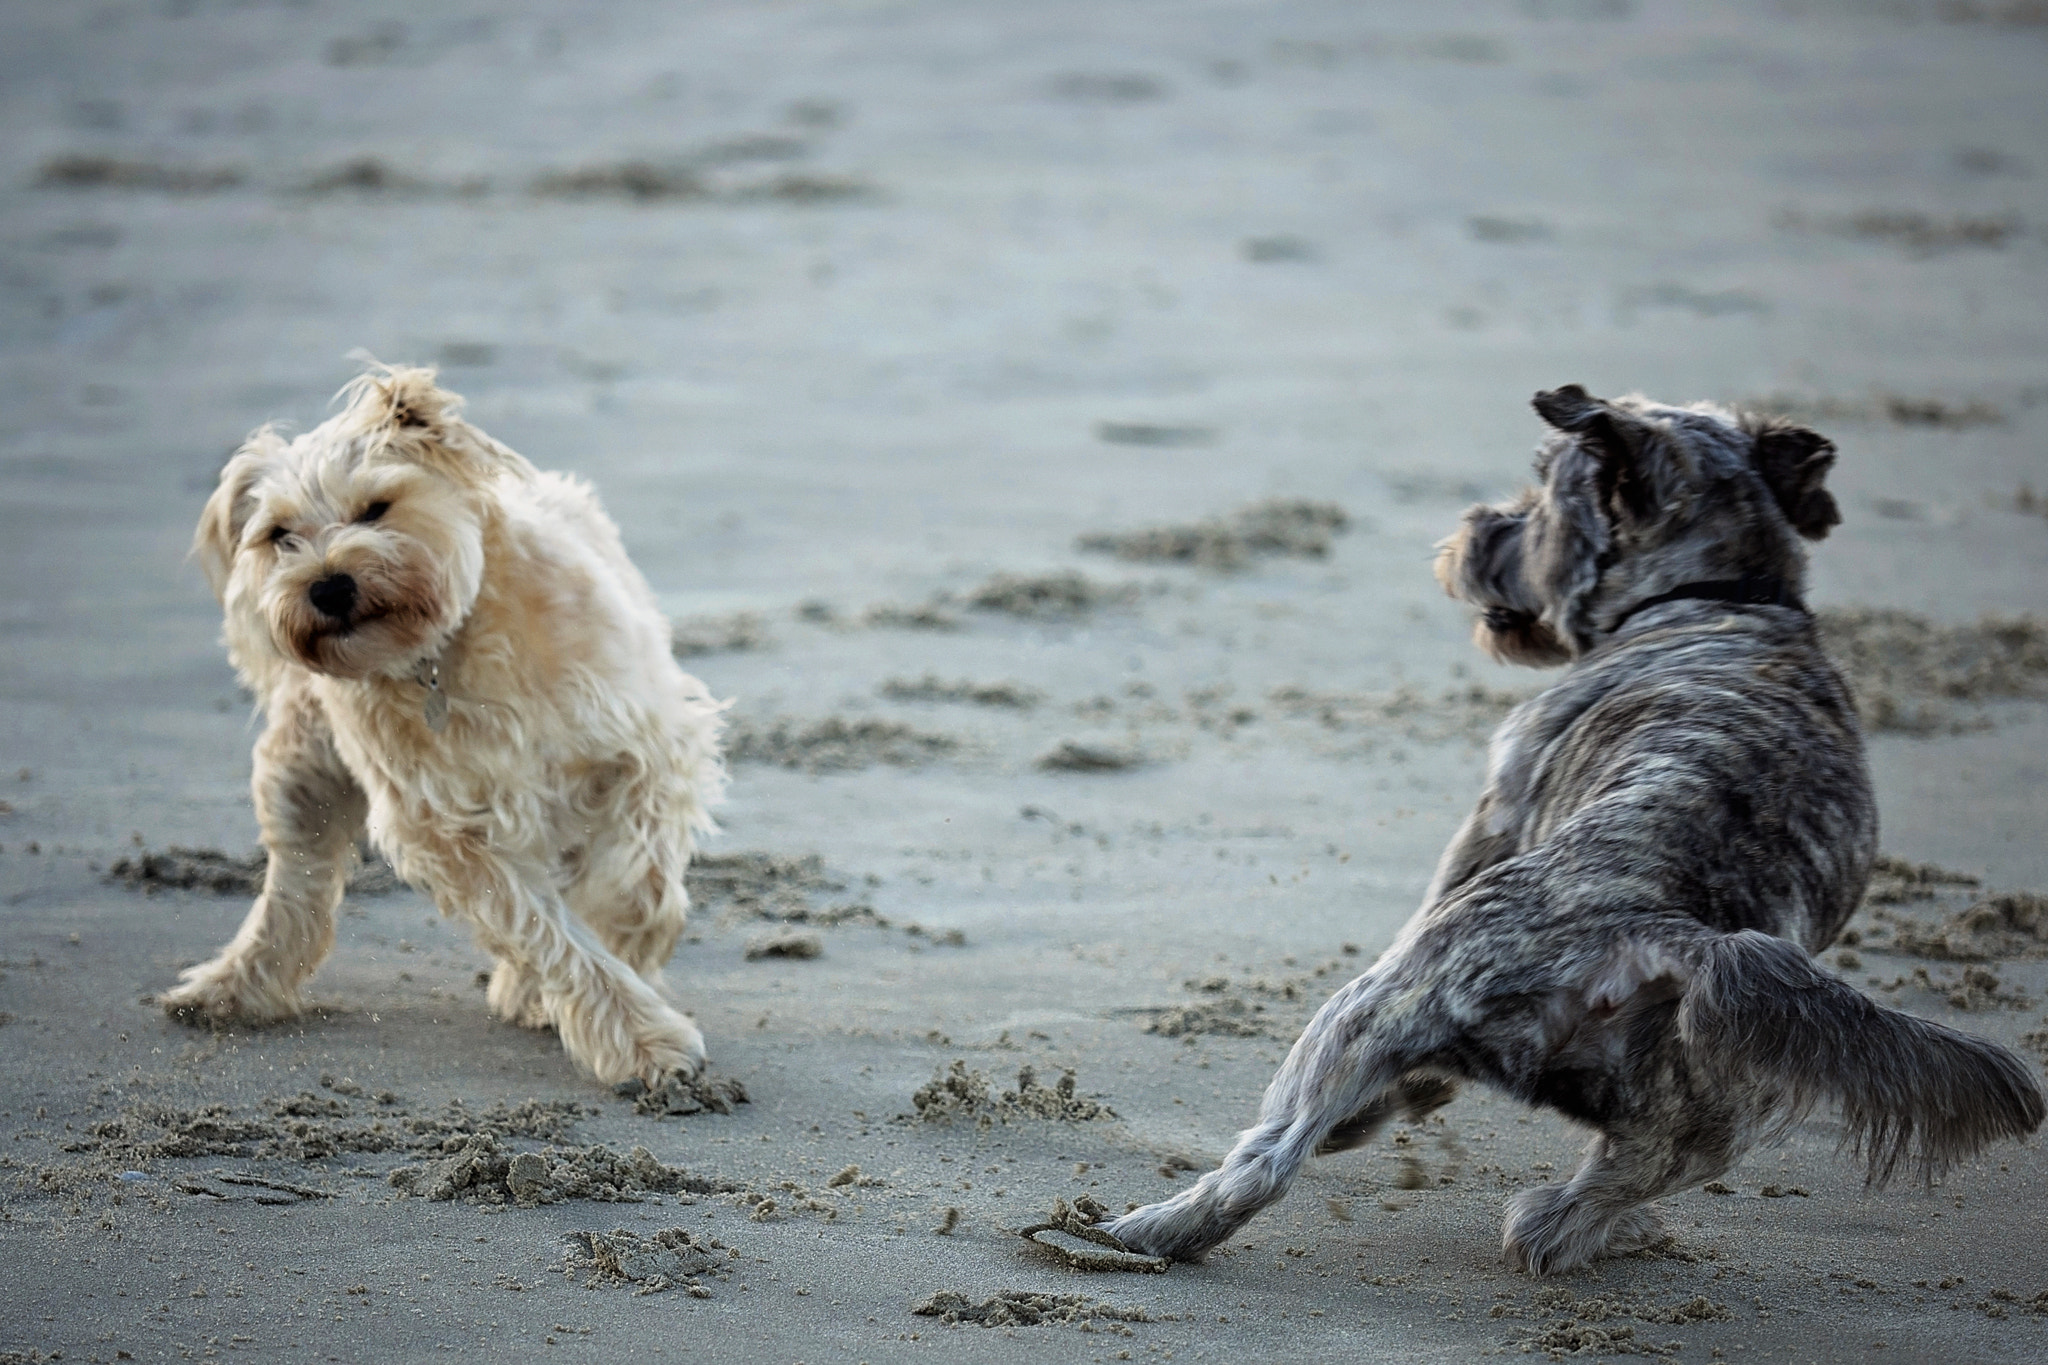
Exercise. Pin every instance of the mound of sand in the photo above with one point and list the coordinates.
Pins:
(784, 943)
(1228, 1016)
(482, 1170)
(670, 1258)
(1909, 674)
(2002, 926)
(1052, 596)
(958, 1093)
(111, 173)
(1025, 1308)
(1079, 756)
(755, 884)
(834, 744)
(1895, 881)
(681, 1095)
(1015, 696)
(718, 635)
(929, 616)
(1278, 526)
(223, 874)
(1603, 1326)
(1460, 713)
(308, 1127)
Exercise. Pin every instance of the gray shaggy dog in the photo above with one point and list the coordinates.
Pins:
(1623, 928)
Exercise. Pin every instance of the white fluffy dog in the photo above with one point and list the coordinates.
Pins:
(454, 652)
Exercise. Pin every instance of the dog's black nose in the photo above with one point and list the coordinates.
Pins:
(333, 595)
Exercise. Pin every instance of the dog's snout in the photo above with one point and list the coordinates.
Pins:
(333, 595)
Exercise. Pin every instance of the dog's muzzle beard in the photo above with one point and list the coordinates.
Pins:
(1482, 565)
(355, 624)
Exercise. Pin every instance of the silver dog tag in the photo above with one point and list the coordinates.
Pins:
(435, 707)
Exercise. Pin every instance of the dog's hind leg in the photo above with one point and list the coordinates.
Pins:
(626, 875)
(310, 811)
(1415, 1097)
(1603, 1209)
(1357, 1046)
(514, 994)
(640, 917)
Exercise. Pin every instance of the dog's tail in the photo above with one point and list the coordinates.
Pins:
(1909, 1089)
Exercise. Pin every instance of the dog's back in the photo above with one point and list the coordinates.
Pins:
(1711, 749)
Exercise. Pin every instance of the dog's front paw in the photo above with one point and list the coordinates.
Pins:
(220, 992)
(674, 1054)
(651, 1050)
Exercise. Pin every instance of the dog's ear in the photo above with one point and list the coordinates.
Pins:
(1607, 431)
(227, 512)
(411, 417)
(1569, 408)
(1614, 438)
(1794, 463)
(411, 401)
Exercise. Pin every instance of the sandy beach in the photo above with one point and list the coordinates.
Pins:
(1036, 419)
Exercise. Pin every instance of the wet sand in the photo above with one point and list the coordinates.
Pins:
(951, 371)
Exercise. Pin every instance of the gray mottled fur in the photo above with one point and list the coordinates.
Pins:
(1622, 930)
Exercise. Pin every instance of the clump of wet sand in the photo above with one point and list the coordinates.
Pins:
(1083, 756)
(224, 874)
(1015, 696)
(834, 744)
(693, 181)
(1991, 926)
(679, 1096)
(1062, 595)
(306, 1127)
(668, 1258)
(1051, 596)
(83, 172)
(1896, 408)
(1154, 434)
(1228, 1016)
(1072, 1237)
(1897, 881)
(1909, 674)
(480, 1169)
(1275, 527)
(1605, 1326)
(790, 944)
(738, 632)
(309, 1127)
(2005, 925)
(1919, 234)
(1974, 988)
(927, 616)
(1028, 1308)
(958, 1093)
(756, 884)
(1469, 712)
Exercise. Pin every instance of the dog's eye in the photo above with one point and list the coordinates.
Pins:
(374, 511)
(278, 533)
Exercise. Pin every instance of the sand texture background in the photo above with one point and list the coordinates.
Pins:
(1037, 417)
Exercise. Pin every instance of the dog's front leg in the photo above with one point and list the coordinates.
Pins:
(609, 1019)
(310, 811)
(1348, 1055)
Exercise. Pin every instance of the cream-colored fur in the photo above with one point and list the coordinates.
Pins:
(556, 805)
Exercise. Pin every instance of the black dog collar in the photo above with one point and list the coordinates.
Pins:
(1746, 592)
